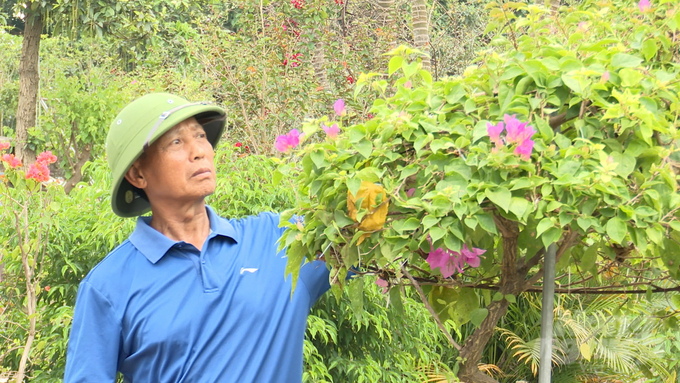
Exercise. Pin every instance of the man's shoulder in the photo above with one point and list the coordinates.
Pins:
(112, 265)
(261, 220)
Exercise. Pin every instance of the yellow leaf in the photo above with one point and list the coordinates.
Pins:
(375, 218)
(585, 351)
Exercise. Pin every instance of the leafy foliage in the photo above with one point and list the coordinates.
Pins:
(600, 183)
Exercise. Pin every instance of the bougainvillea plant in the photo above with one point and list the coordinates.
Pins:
(27, 207)
(564, 133)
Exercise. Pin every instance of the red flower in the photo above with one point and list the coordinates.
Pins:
(4, 145)
(39, 172)
(350, 79)
(47, 288)
(46, 158)
(238, 145)
(11, 161)
(298, 3)
(247, 148)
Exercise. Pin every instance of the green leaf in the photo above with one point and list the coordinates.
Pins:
(395, 301)
(486, 222)
(341, 219)
(353, 185)
(498, 296)
(436, 233)
(572, 83)
(364, 147)
(623, 60)
(429, 221)
(519, 207)
(616, 229)
(318, 158)
(589, 258)
(544, 225)
(551, 236)
(500, 196)
(649, 48)
(510, 298)
(478, 315)
(411, 224)
(395, 64)
(355, 290)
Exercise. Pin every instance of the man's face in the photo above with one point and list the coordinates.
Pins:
(178, 167)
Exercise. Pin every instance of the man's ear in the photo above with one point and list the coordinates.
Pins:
(135, 176)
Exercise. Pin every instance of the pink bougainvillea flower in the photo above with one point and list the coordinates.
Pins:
(287, 141)
(605, 77)
(4, 145)
(644, 5)
(332, 131)
(238, 145)
(408, 84)
(447, 261)
(382, 283)
(517, 131)
(524, 149)
(582, 26)
(471, 257)
(494, 132)
(46, 158)
(339, 107)
(39, 172)
(410, 192)
(11, 161)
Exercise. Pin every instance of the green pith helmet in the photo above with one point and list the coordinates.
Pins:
(136, 127)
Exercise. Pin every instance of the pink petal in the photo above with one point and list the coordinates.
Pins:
(410, 192)
(339, 107)
(494, 131)
(514, 128)
(524, 149)
(332, 131)
(644, 5)
(381, 282)
(605, 77)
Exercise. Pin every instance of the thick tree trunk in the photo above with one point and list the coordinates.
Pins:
(512, 282)
(421, 33)
(319, 64)
(28, 88)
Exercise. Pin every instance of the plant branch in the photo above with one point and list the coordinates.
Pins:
(430, 309)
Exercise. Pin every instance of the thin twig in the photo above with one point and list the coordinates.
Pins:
(430, 309)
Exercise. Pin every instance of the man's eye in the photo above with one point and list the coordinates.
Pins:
(201, 135)
(176, 141)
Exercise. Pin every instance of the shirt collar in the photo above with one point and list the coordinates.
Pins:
(154, 245)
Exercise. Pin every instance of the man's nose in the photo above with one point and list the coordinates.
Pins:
(197, 149)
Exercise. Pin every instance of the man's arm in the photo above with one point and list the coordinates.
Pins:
(94, 341)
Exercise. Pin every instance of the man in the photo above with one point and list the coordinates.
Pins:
(189, 296)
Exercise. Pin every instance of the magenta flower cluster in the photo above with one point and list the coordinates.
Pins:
(449, 261)
(290, 140)
(516, 133)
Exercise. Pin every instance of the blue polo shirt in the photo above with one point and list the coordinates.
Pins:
(162, 311)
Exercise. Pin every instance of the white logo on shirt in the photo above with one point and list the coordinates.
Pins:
(250, 270)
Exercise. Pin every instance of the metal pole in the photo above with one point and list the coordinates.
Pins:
(545, 366)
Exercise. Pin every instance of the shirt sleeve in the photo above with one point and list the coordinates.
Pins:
(315, 277)
(94, 341)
